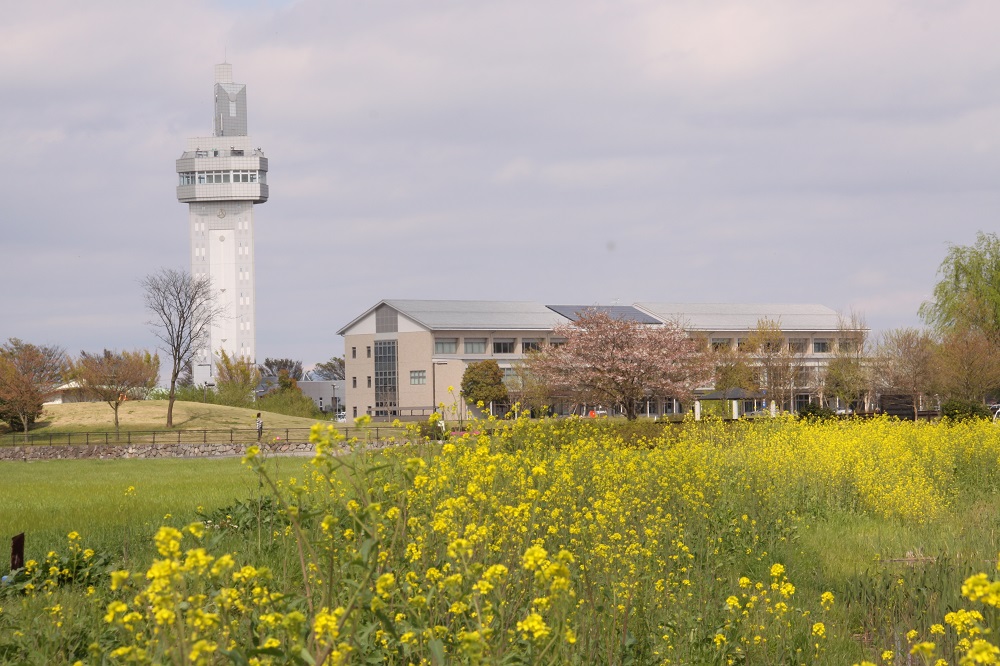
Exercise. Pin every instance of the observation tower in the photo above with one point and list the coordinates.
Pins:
(220, 178)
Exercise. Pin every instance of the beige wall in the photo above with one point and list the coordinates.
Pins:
(415, 351)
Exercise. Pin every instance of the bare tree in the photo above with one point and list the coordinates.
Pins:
(620, 362)
(968, 365)
(114, 377)
(905, 363)
(183, 311)
(28, 374)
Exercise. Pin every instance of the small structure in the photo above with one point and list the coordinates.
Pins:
(734, 403)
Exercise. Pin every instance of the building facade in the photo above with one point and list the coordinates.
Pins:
(221, 177)
(403, 358)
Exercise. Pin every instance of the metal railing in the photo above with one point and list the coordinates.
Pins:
(184, 436)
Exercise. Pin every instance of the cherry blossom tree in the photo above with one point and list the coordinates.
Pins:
(621, 362)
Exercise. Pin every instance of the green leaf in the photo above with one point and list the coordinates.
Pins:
(235, 657)
(437, 651)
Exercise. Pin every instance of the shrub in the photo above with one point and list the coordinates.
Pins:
(965, 409)
(432, 429)
(290, 403)
(816, 411)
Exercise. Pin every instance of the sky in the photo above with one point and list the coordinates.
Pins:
(564, 152)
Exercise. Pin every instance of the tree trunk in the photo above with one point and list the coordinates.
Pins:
(170, 400)
(115, 407)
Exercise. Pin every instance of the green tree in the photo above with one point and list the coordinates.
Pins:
(848, 375)
(331, 370)
(273, 367)
(967, 294)
(483, 382)
(732, 370)
(236, 380)
(777, 365)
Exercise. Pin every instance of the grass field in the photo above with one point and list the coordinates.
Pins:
(47, 500)
(776, 542)
(152, 415)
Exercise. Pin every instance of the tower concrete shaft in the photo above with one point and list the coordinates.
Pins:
(221, 177)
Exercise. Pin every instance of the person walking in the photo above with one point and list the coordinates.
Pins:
(260, 426)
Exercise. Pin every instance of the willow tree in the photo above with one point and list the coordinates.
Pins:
(613, 362)
(967, 294)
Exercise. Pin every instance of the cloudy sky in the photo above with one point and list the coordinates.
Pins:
(562, 151)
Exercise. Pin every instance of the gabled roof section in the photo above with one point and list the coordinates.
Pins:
(473, 315)
(624, 312)
(744, 316)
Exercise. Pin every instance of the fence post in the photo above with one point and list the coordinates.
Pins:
(154, 437)
(204, 437)
(17, 552)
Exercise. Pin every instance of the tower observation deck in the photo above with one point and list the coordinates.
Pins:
(221, 177)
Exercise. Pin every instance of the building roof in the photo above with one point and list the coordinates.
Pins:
(443, 315)
(473, 315)
(744, 316)
(625, 312)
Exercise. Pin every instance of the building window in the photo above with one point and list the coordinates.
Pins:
(386, 393)
(475, 345)
(771, 346)
(354, 382)
(369, 381)
(798, 345)
(504, 346)
(355, 412)
(446, 345)
(369, 351)
(719, 344)
(530, 345)
(354, 352)
(821, 346)
(557, 342)
(418, 377)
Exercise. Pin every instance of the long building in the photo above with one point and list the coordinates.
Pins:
(221, 177)
(402, 356)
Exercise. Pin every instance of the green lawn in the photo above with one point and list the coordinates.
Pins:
(47, 500)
